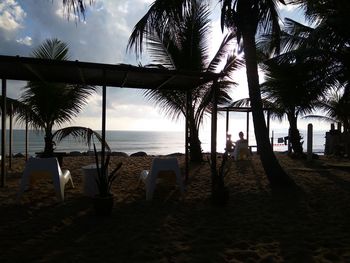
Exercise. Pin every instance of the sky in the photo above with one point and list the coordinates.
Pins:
(102, 37)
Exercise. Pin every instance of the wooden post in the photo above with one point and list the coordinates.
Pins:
(104, 98)
(247, 135)
(3, 134)
(214, 133)
(309, 142)
(11, 136)
(227, 120)
(27, 139)
(272, 141)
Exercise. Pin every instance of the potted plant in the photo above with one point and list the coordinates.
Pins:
(220, 193)
(103, 201)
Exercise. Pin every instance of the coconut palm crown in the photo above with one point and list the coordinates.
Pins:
(52, 104)
(184, 46)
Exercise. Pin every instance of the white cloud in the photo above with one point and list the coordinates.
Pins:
(65, 15)
(11, 15)
(287, 7)
(25, 41)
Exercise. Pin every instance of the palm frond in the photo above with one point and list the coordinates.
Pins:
(78, 7)
(320, 118)
(82, 134)
(166, 12)
(225, 46)
(52, 49)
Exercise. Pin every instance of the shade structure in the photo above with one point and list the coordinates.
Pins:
(87, 73)
(230, 108)
(97, 74)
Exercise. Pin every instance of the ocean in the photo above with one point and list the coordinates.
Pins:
(151, 142)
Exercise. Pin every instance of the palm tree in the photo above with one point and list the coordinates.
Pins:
(48, 104)
(249, 18)
(183, 46)
(291, 91)
(328, 40)
(336, 106)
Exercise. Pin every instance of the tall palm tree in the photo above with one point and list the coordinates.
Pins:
(291, 91)
(52, 104)
(184, 46)
(249, 18)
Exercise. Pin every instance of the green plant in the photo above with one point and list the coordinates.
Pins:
(104, 179)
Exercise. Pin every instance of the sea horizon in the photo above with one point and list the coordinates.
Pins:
(151, 142)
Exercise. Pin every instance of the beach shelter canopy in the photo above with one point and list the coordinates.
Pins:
(230, 108)
(118, 75)
(87, 73)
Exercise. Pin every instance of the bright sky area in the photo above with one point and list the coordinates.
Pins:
(102, 38)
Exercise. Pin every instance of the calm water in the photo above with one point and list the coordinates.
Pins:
(153, 143)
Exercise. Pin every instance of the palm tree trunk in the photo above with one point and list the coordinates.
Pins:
(195, 144)
(274, 172)
(48, 151)
(295, 135)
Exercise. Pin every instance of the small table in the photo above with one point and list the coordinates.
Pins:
(90, 187)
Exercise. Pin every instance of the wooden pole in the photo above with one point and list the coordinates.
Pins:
(247, 129)
(187, 134)
(268, 121)
(27, 139)
(227, 120)
(309, 142)
(11, 136)
(104, 98)
(3, 134)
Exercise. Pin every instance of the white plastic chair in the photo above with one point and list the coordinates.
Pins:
(46, 165)
(160, 165)
(241, 151)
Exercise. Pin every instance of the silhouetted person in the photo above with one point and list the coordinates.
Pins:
(241, 148)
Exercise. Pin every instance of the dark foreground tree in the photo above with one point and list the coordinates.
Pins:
(249, 18)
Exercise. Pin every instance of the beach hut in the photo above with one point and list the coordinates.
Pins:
(247, 110)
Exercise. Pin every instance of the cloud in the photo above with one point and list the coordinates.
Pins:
(11, 15)
(101, 38)
(287, 7)
(25, 41)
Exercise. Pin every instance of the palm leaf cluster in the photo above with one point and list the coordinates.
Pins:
(314, 59)
(45, 106)
(177, 37)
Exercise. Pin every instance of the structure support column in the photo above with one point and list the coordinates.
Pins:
(3, 134)
(268, 121)
(247, 136)
(104, 98)
(11, 136)
(214, 133)
(27, 139)
(227, 120)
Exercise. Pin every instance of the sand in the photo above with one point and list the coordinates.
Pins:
(311, 224)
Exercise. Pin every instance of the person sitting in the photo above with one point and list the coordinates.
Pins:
(229, 144)
(241, 150)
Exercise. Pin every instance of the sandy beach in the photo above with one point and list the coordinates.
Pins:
(311, 224)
